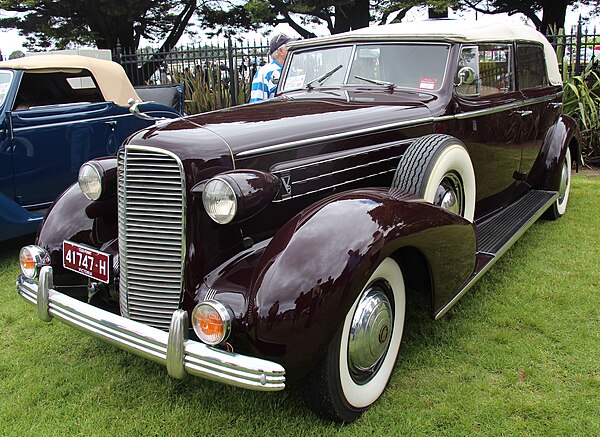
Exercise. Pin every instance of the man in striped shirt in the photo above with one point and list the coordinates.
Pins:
(263, 86)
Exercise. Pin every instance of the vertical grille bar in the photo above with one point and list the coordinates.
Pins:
(151, 234)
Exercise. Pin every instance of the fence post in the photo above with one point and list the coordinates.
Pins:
(578, 48)
(118, 52)
(232, 68)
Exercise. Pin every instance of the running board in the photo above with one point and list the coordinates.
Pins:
(498, 233)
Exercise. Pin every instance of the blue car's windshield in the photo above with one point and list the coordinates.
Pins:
(5, 80)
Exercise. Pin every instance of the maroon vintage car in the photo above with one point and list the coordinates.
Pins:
(286, 232)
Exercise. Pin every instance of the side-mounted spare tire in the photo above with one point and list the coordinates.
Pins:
(438, 168)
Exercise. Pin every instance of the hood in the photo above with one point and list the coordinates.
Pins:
(307, 115)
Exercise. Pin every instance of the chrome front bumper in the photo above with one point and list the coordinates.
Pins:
(172, 349)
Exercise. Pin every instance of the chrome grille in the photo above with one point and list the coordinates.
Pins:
(151, 234)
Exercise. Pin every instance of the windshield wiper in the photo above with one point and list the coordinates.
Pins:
(322, 78)
(390, 85)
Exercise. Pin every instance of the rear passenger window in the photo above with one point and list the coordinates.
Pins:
(531, 66)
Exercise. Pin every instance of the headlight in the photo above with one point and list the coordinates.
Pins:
(211, 321)
(219, 201)
(90, 181)
(32, 259)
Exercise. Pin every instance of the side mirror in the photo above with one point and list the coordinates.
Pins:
(466, 76)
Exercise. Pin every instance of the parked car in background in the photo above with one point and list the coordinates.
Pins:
(57, 112)
(272, 243)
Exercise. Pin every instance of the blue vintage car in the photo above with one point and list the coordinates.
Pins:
(57, 112)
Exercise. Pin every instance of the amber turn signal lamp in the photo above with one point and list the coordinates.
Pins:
(212, 321)
(32, 259)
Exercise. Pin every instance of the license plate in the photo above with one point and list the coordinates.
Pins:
(87, 261)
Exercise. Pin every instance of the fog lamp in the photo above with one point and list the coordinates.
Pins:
(32, 259)
(212, 321)
(90, 181)
(220, 201)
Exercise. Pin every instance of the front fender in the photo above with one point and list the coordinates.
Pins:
(316, 265)
(16, 220)
(546, 171)
(73, 217)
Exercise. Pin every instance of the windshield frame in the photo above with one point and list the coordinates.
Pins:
(4, 101)
(355, 45)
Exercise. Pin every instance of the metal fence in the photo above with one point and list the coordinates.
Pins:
(576, 50)
(230, 58)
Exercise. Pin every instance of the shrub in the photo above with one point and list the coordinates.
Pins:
(581, 100)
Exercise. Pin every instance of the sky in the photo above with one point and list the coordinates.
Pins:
(11, 41)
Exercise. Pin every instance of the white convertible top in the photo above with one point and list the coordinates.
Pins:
(448, 30)
(110, 76)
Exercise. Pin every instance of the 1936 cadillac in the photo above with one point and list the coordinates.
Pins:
(57, 112)
(285, 233)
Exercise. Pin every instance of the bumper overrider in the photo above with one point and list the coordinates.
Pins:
(173, 349)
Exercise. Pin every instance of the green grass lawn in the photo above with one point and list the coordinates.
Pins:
(518, 355)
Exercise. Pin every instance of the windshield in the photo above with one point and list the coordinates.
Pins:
(5, 80)
(419, 66)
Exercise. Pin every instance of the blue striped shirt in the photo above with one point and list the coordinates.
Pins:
(263, 87)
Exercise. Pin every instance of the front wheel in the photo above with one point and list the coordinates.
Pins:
(361, 357)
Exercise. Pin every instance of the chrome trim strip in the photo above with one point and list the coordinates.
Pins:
(281, 167)
(151, 343)
(66, 123)
(282, 146)
(324, 138)
(335, 186)
(496, 257)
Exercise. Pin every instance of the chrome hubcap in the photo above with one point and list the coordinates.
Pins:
(450, 194)
(564, 182)
(370, 333)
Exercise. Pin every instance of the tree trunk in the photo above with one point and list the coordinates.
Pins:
(553, 16)
(351, 16)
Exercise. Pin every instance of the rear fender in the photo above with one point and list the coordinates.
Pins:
(314, 268)
(546, 171)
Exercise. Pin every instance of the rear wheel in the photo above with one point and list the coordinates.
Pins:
(559, 207)
(361, 357)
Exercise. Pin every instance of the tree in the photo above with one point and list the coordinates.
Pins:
(57, 24)
(553, 11)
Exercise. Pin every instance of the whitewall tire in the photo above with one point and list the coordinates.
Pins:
(438, 168)
(361, 357)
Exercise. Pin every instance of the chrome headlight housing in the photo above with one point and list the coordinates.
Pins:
(220, 201)
(237, 195)
(32, 259)
(90, 180)
(212, 321)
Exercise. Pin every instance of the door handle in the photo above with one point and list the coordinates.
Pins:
(111, 122)
(523, 113)
(555, 105)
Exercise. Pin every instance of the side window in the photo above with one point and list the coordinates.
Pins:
(531, 66)
(46, 88)
(5, 80)
(489, 65)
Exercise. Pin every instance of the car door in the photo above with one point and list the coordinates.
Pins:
(486, 121)
(6, 167)
(50, 144)
(59, 121)
(542, 101)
